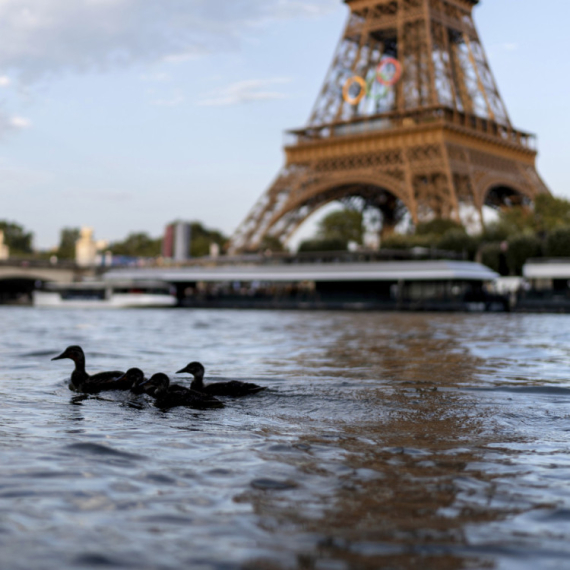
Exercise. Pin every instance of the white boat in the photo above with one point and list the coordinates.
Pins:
(105, 294)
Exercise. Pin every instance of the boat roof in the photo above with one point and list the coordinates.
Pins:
(373, 271)
(547, 268)
(121, 282)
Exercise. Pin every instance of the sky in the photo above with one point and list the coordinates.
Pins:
(124, 115)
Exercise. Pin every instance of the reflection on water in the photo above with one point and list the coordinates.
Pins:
(385, 440)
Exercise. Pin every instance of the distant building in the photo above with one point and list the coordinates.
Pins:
(4, 249)
(176, 242)
(87, 249)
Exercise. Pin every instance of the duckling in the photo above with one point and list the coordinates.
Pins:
(171, 395)
(233, 388)
(80, 381)
(136, 378)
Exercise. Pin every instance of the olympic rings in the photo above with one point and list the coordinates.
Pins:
(346, 90)
(380, 70)
(366, 87)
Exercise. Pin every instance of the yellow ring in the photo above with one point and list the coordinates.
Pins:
(345, 90)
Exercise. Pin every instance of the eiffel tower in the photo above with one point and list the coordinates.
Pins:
(409, 122)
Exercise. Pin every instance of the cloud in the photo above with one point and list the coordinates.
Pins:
(245, 92)
(11, 123)
(45, 37)
(5, 81)
(20, 122)
(510, 46)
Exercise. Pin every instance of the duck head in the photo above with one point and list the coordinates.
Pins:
(157, 384)
(134, 376)
(74, 353)
(194, 368)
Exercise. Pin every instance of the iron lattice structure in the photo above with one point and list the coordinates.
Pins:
(438, 143)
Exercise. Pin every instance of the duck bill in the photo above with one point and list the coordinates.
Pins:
(143, 385)
(181, 371)
(60, 357)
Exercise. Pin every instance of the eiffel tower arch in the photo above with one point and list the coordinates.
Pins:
(409, 121)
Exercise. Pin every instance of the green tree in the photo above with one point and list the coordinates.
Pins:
(406, 241)
(518, 219)
(137, 245)
(558, 242)
(342, 225)
(201, 238)
(520, 248)
(16, 238)
(547, 214)
(457, 239)
(497, 231)
(68, 237)
(551, 212)
(323, 244)
(492, 256)
(437, 227)
(271, 243)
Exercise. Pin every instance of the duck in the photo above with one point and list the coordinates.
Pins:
(80, 381)
(233, 388)
(169, 395)
(136, 378)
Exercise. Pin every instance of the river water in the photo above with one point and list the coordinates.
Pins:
(384, 441)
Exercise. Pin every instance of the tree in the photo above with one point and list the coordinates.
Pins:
(201, 238)
(558, 242)
(456, 239)
(497, 231)
(406, 241)
(271, 243)
(520, 248)
(137, 245)
(551, 212)
(68, 237)
(518, 219)
(492, 256)
(324, 244)
(16, 238)
(342, 225)
(547, 214)
(437, 227)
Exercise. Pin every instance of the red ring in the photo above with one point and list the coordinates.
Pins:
(397, 74)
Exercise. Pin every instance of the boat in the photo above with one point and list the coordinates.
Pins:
(118, 294)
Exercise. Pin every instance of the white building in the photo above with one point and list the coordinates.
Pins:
(4, 249)
(87, 249)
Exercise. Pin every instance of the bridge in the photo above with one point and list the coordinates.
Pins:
(19, 277)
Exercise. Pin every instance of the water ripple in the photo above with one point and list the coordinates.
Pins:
(383, 440)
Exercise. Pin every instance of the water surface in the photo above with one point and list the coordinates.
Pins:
(383, 441)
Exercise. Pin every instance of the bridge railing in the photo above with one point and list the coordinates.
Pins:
(38, 263)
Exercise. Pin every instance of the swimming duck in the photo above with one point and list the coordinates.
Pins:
(171, 395)
(136, 379)
(80, 381)
(233, 388)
